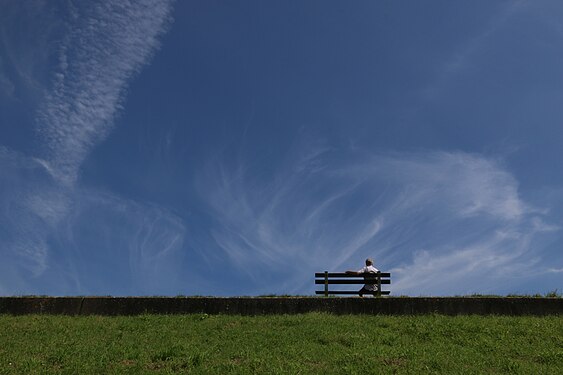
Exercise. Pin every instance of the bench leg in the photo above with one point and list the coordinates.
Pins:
(378, 284)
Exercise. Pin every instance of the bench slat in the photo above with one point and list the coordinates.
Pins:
(343, 282)
(343, 274)
(334, 292)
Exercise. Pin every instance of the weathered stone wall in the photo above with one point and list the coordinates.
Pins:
(275, 305)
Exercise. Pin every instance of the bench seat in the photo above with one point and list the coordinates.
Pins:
(340, 278)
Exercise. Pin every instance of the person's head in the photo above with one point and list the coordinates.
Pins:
(369, 262)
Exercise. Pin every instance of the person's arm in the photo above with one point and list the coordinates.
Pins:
(352, 272)
(360, 272)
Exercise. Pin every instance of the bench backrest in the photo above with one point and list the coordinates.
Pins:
(339, 278)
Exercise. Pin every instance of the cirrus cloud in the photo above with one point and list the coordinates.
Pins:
(442, 222)
(106, 44)
(101, 46)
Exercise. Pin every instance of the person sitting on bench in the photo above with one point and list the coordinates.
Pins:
(369, 268)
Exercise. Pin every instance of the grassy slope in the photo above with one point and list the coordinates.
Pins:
(311, 343)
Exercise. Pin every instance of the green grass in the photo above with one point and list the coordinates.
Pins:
(307, 344)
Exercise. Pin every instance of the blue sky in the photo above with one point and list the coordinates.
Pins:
(227, 148)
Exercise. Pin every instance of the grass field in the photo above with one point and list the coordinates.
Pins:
(307, 344)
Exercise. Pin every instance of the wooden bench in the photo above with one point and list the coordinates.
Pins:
(334, 278)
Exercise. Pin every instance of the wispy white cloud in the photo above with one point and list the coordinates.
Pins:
(81, 241)
(107, 43)
(438, 220)
(137, 245)
(25, 224)
(104, 45)
(475, 267)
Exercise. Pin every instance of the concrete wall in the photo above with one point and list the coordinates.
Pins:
(275, 305)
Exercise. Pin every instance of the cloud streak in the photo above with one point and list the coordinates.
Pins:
(134, 245)
(107, 43)
(81, 241)
(459, 214)
(26, 214)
